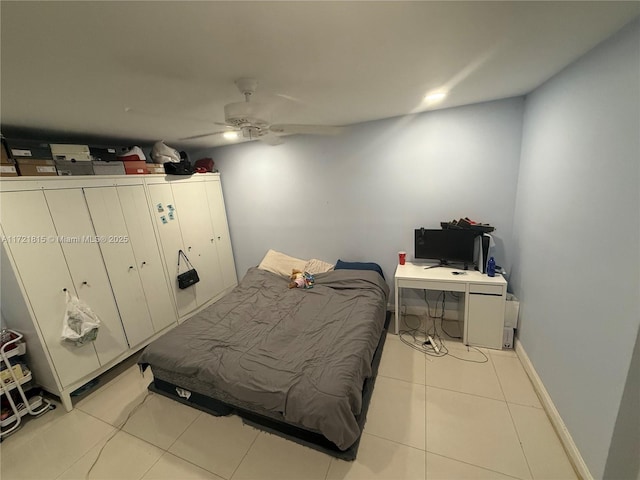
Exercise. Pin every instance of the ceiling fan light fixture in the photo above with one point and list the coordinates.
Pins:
(432, 98)
(251, 132)
(242, 113)
(230, 135)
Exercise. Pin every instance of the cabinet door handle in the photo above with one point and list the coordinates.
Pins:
(64, 289)
(144, 263)
(130, 267)
(212, 240)
(188, 249)
(218, 237)
(85, 283)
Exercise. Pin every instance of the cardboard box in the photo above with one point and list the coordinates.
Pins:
(79, 153)
(155, 168)
(108, 154)
(8, 170)
(108, 168)
(74, 157)
(36, 167)
(135, 167)
(64, 148)
(29, 149)
(71, 167)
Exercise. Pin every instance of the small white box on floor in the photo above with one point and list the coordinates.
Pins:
(512, 307)
(507, 338)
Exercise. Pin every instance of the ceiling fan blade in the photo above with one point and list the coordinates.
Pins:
(307, 129)
(270, 139)
(193, 137)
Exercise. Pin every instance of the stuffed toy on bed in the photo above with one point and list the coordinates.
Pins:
(300, 279)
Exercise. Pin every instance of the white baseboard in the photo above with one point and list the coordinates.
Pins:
(556, 420)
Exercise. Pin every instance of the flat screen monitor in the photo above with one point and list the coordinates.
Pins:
(446, 246)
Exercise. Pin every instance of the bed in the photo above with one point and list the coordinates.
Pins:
(296, 362)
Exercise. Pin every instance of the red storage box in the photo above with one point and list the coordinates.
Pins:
(135, 167)
(205, 164)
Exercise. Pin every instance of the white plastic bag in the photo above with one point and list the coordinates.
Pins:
(80, 324)
(161, 153)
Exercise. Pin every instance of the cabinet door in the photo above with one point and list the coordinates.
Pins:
(42, 268)
(195, 222)
(109, 224)
(169, 228)
(145, 248)
(73, 224)
(486, 320)
(221, 233)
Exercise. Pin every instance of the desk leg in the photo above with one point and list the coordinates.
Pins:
(465, 317)
(398, 305)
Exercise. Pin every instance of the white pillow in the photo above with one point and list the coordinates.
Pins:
(281, 264)
(315, 266)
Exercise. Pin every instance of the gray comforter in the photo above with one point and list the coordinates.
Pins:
(303, 354)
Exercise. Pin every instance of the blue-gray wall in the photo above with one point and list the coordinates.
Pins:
(577, 241)
(360, 195)
(558, 175)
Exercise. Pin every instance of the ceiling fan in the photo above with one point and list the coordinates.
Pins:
(248, 119)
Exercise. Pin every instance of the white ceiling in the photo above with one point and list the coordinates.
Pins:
(75, 66)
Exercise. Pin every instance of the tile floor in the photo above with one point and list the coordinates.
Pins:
(429, 418)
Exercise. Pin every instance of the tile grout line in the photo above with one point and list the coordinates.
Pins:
(515, 428)
(400, 380)
(426, 418)
(495, 371)
(119, 429)
(245, 454)
(426, 433)
(153, 464)
(326, 474)
(179, 456)
(104, 421)
(190, 463)
(476, 466)
(467, 393)
(395, 441)
(490, 358)
(539, 406)
(183, 432)
(98, 442)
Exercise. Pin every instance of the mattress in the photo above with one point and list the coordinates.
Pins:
(298, 356)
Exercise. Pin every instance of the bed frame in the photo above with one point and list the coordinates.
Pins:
(273, 425)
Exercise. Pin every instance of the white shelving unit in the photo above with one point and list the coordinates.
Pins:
(33, 406)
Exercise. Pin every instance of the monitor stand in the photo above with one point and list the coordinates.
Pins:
(445, 263)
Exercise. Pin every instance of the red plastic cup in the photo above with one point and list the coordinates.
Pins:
(402, 257)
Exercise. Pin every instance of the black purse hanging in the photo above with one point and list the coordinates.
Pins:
(188, 278)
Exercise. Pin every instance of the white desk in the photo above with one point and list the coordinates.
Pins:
(482, 306)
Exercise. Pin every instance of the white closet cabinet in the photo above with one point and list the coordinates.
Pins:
(221, 232)
(126, 271)
(39, 261)
(190, 216)
(71, 219)
(168, 224)
(112, 241)
(197, 234)
(135, 209)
